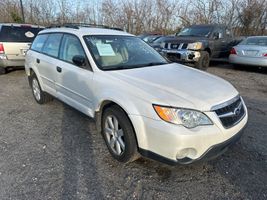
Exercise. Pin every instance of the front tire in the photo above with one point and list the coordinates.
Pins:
(119, 135)
(204, 61)
(39, 95)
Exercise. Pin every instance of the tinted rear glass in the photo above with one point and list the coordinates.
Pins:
(18, 34)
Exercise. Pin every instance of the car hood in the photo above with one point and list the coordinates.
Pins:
(177, 85)
(186, 40)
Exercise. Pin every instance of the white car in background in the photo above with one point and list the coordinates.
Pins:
(15, 40)
(142, 104)
(251, 51)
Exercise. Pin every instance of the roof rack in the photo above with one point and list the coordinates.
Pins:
(79, 25)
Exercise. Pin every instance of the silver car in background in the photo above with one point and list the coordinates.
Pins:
(251, 51)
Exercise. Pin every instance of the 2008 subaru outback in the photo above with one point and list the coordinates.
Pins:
(143, 104)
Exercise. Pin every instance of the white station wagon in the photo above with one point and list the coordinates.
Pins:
(142, 103)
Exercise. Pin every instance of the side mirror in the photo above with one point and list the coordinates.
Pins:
(79, 60)
(216, 36)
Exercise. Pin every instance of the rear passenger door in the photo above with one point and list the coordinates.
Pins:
(46, 61)
(74, 84)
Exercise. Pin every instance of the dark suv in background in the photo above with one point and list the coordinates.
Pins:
(198, 44)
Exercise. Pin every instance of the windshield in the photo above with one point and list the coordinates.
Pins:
(259, 41)
(122, 52)
(162, 39)
(18, 33)
(196, 31)
(151, 38)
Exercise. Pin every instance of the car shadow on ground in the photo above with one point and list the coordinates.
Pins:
(13, 69)
(79, 156)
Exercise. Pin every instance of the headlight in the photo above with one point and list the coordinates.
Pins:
(195, 46)
(162, 45)
(186, 117)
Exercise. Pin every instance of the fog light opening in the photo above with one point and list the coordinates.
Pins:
(187, 152)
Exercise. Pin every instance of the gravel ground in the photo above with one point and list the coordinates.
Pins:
(54, 152)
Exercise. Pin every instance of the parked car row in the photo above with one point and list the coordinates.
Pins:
(198, 44)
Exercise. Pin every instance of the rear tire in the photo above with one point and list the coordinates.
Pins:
(39, 95)
(2, 70)
(119, 135)
(204, 61)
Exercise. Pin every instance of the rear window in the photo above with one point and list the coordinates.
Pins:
(18, 34)
(259, 41)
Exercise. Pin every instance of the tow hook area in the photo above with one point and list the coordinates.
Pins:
(195, 56)
(191, 56)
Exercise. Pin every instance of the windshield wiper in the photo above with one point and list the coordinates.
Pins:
(155, 63)
(133, 66)
(109, 68)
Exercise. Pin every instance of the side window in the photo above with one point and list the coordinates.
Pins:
(221, 32)
(52, 44)
(70, 47)
(228, 33)
(38, 43)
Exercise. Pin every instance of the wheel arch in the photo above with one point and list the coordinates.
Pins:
(30, 72)
(102, 107)
(208, 50)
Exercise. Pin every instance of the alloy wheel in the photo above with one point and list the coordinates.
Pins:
(114, 135)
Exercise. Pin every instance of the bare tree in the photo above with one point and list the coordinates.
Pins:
(246, 17)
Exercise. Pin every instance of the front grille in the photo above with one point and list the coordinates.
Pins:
(175, 46)
(230, 114)
(184, 46)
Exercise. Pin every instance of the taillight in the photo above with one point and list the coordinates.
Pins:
(2, 50)
(265, 55)
(233, 51)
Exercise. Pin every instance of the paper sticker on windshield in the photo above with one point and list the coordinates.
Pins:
(105, 49)
(29, 34)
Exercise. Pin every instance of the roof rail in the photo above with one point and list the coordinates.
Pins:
(78, 25)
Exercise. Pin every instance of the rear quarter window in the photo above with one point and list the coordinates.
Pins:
(18, 33)
(38, 43)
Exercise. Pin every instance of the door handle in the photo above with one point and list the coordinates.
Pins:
(38, 60)
(59, 69)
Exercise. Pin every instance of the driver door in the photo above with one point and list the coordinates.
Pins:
(220, 43)
(74, 84)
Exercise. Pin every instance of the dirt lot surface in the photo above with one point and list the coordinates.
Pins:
(53, 152)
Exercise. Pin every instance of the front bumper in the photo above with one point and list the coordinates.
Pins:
(182, 55)
(211, 153)
(175, 144)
